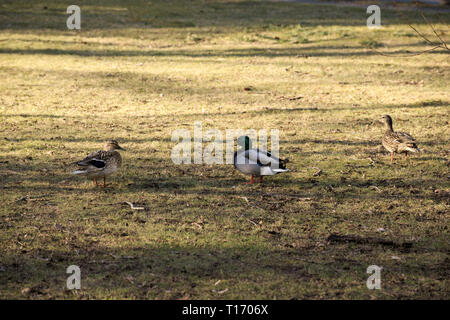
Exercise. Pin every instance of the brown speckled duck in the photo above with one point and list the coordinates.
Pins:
(397, 142)
(102, 163)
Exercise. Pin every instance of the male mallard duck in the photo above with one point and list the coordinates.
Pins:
(256, 162)
(102, 163)
(398, 142)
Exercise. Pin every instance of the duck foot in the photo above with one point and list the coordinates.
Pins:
(251, 181)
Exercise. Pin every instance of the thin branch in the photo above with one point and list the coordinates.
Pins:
(406, 56)
(251, 221)
(133, 207)
(421, 35)
(318, 172)
(442, 43)
(441, 20)
(432, 27)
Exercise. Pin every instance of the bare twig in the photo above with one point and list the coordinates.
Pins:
(133, 207)
(434, 30)
(33, 198)
(197, 225)
(406, 55)
(246, 200)
(442, 44)
(251, 221)
(440, 19)
(221, 291)
(318, 172)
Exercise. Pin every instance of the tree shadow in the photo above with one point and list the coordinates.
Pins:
(214, 180)
(269, 52)
(175, 271)
(114, 15)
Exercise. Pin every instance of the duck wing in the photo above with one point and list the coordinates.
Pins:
(96, 159)
(407, 142)
(94, 162)
(265, 159)
(404, 137)
(258, 162)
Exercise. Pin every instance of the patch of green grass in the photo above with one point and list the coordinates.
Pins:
(139, 70)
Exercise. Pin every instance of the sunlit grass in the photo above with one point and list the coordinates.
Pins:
(137, 72)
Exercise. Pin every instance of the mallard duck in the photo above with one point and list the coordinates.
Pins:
(102, 163)
(397, 142)
(256, 162)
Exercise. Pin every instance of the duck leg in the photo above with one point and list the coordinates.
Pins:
(261, 179)
(406, 155)
(392, 157)
(95, 182)
(251, 181)
(104, 181)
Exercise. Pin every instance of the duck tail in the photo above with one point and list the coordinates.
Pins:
(413, 149)
(283, 163)
(280, 170)
(77, 163)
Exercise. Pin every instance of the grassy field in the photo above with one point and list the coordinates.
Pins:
(138, 70)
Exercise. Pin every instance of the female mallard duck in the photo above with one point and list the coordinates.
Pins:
(398, 142)
(102, 163)
(256, 162)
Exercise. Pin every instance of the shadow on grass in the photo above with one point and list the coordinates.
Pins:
(114, 15)
(270, 52)
(217, 181)
(171, 271)
(416, 105)
(164, 270)
(295, 142)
